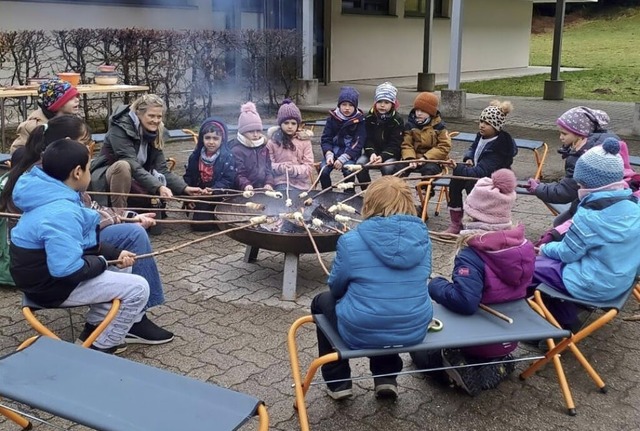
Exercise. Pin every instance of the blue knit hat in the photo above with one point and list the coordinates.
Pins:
(386, 91)
(348, 94)
(600, 166)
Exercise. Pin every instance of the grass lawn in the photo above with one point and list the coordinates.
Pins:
(607, 46)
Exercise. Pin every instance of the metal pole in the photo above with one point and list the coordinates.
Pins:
(455, 56)
(307, 39)
(557, 40)
(426, 49)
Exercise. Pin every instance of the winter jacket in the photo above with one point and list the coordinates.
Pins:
(599, 251)
(253, 165)
(344, 137)
(37, 118)
(5, 274)
(496, 267)
(379, 277)
(429, 141)
(384, 136)
(497, 154)
(224, 167)
(566, 190)
(55, 244)
(298, 161)
(122, 142)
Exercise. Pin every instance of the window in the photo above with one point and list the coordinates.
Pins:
(369, 7)
(419, 8)
(153, 3)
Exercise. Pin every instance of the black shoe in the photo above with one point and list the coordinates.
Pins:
(86, 331)
(115, 350)
(386, 387)
(491, 375)
(155, 229)
(147, 332)
(426, 359)
(464, 377)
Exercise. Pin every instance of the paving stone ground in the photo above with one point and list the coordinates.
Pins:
(231, 328)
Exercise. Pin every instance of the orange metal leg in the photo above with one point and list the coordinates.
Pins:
(15, 418)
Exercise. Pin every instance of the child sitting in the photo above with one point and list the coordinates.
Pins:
(597, 259)
(384, 128)
(425, 135)
(210, 166)
(494, 264)
(249, 149)
(380, 298)
(343, 136)
(492, 149)
(57, 258)
(290, 150)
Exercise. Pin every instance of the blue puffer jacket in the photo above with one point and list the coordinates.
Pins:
(600, 249)
(380, 276)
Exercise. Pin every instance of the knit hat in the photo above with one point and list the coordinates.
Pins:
(55, 93)
(583, 121)
(496, 114)
(491, 199)
(289, 111)
(348, 94)
(600, 166)
(427, 102)
(386, 91)
(249, 118)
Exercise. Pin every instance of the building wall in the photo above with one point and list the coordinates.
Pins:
(496, 35)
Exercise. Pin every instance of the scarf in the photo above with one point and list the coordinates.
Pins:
(343, 117)
(582, 193)
(249, 143)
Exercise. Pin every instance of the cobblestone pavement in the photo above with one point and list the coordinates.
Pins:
(231, 328)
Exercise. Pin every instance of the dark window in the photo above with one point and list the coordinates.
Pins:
(374, 7)
(167, 3)
(419, 8)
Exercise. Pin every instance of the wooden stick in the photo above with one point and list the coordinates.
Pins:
(315, 183)
(182, 210)
(10, 215)
(186, 221)
(315, 247)
(431, 177)
(351, 175)
(286, 174)
(181, 198)
(496, 313)
(406, 162)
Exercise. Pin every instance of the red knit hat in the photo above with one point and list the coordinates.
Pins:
(427, 102)
(55, 93)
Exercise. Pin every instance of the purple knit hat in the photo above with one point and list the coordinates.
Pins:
(583, 121)
(249, 118)
(289, 111)
(491, 199)
(348, 94)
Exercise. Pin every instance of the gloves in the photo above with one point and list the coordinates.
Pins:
(328, 157)
(344, 158)
(532, 185)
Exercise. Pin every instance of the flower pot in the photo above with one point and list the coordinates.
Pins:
(106, 78)
(72, 78)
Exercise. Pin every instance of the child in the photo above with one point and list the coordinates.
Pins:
(290, 150)
(249, 149)
(384, 128)
(425, 135)
(494, 264)
(210, 166)
(597, 259)
(378, 293)
(492, 149)
(56, 97)
(57, 258)
(581, 128)
(343, 136)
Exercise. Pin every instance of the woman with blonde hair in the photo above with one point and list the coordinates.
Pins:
(378, 287)
(132, 158)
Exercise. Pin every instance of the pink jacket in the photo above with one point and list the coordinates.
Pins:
(299, 161)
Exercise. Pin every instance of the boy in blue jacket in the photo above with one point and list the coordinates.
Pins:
(378, 287)
(57, 258)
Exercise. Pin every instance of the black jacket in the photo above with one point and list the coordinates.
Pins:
(497, 154)
(384, 136)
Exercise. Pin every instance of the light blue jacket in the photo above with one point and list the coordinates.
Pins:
(380, 276)
(600, 250)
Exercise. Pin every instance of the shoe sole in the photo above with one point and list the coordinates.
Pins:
(340, 395)
(132, 339)
(387, 391)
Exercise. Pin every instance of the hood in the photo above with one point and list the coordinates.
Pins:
(225, 132)
(122, 118)
(400, 241)
(35, 189)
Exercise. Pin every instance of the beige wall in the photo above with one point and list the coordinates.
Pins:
(495, 36)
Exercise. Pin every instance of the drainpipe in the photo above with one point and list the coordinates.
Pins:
(554, 87)
(427, 80)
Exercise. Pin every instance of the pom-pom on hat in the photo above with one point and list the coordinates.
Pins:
(600, 166)
(496, 114)
(249, 118)
(289, 111)
(348, 94)
(386, 91)
(583, 121)
(427, 102)
(492, 199)
(55, 93)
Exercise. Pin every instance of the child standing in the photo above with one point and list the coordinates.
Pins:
(597, 259)
(290, 150)
(494, 264)
(343, 135)
(249, 149)
(380, 298)
(425, 135)
(57, 258)
(384, 128)
(492, 149)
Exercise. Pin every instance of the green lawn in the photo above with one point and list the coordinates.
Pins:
(609, 47)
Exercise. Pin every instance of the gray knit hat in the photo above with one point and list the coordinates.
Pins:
(386, 91)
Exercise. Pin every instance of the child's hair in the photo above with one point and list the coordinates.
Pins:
(388, 196)
(63, 156)
(496, 113)
(62, 126)
(287, 141)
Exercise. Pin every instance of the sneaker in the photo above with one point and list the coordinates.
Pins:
(491, 375)
(115, 350)
(147, 332)
(464, 377)
(386, 387)
(341, 392)
(86, 331)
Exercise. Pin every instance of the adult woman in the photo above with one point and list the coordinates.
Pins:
(132, 157)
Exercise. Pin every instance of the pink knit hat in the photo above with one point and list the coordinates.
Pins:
(249, 118)
(491, 199)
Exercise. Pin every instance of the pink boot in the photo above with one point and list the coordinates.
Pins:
(455, 225)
